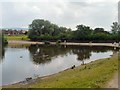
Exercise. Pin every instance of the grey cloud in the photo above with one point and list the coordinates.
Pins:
(67, 14)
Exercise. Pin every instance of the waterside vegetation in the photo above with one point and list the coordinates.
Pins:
(41, 30)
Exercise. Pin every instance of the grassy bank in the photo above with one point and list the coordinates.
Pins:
(93, 75)
(17, 37)
(19, 45)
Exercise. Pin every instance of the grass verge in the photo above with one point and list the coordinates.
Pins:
(17, 37)
(93, 75)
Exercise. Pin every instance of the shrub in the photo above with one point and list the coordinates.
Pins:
(47, 42)
(58, 41)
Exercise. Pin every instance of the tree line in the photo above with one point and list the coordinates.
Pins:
(41, 30)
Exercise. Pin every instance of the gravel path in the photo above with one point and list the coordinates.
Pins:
(68, 43)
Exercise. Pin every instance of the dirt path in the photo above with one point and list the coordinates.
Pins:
(114, 82)
(23, 42)
(68, 43)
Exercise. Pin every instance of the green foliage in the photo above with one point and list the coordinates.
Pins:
(83, 32)
(115, 31)
(17, 37)
(115, 28)
(45, 30)
(95, 75)
(3, 40)
(47, 42)
(58, 42)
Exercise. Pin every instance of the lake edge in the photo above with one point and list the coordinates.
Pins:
(19, 85)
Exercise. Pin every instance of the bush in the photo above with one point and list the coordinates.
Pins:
(3, 40)
(47, 42)
(58, 41)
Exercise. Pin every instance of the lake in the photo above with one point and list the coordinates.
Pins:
(20, 62)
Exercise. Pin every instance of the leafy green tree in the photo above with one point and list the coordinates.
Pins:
(41, 29)
(115, 28)
(115, 31)
(100, 34)
(100, 30)
(83, 32)
(44, 30)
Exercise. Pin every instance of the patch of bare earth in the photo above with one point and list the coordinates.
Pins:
(113, 82)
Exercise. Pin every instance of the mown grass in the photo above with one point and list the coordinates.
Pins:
(93, 75)
(17, 37)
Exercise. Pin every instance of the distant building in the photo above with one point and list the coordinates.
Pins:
(119, 12)
(14, 32)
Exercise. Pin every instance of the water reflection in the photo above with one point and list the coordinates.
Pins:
(42, 54)
(22, 61)
(82, 53)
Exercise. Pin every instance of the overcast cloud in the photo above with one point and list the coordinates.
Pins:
(68, 13)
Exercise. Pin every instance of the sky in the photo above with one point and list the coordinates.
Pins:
(68, 13)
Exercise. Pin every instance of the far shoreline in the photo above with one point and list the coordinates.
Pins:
(116, 45)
